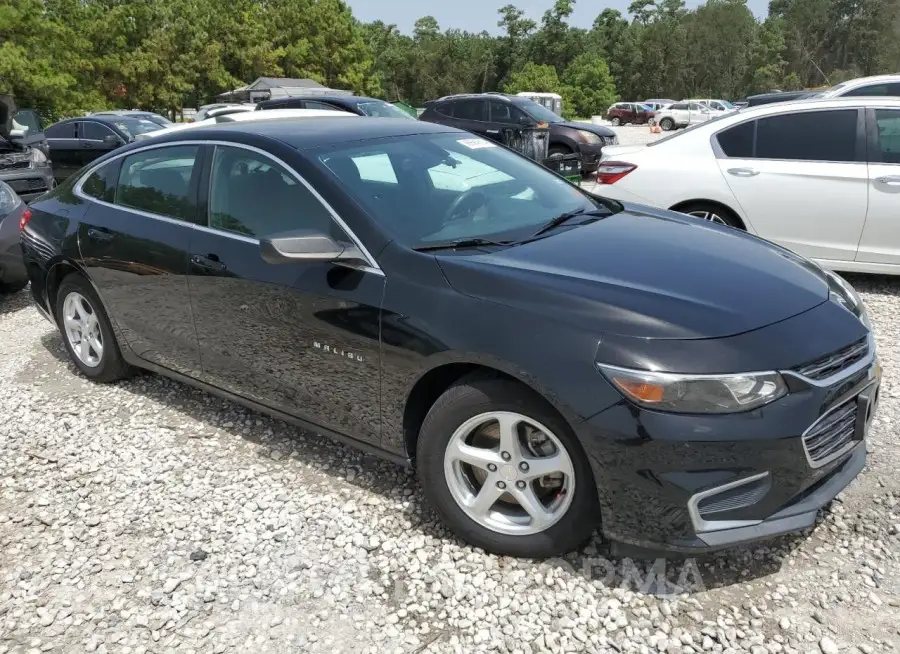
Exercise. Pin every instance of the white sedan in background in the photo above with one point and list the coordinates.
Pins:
(819, 177)
(247, 116)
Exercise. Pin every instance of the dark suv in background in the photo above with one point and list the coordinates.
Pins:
(488, 114)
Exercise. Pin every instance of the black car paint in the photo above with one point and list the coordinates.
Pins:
(564, 135)
(12, 266)
(357, 354)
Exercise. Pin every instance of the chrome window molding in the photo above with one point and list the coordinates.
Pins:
(701, 525)
(372, 266)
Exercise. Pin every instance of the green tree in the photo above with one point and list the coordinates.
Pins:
(589, 87)
(534, 77)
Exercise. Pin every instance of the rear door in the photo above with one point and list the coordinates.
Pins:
(471, 114)
(286, 335)
(801, 179)
(65, 151)
(880, 242)
(134, 243)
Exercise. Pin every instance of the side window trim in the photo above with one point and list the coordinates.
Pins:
(373, 264)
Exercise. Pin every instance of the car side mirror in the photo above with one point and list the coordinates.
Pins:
(308, 245)
(113, 140)
(17, 133)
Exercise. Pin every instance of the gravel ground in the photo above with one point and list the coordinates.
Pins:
(146, 516)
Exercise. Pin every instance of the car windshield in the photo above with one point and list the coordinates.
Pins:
(378, 109)
(726, 104)
(537, 111)
(134, 126)
(428, 189)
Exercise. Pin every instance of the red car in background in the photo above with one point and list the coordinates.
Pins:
(622, 113)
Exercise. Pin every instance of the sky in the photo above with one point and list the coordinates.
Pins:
(478, 15)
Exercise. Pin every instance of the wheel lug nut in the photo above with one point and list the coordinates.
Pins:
(506, 456)
(523, 467)
(520, 485)
(492, 467)
(501, 485)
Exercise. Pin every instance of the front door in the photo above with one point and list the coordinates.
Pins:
(65, 151)
(134, 240)
(95, 140)
(880, 242)
(296, 336)
(802, 182)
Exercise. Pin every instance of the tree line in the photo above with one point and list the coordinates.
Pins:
(65, 57)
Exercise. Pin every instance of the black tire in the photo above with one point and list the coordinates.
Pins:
(616, 122)
(112, 367)
(9, 289)
(667, 124)
(558, 150)
(476, 395)
(712, 212)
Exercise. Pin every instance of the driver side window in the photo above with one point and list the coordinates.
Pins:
(254, 196)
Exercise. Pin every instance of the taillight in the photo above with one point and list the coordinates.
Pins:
(24, 218)
(611, 172)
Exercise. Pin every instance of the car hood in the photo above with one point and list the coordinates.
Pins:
(648, 274)
(599, 130)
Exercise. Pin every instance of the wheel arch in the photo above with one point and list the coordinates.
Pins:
(721, 205)
(61, 269)
(432, 383)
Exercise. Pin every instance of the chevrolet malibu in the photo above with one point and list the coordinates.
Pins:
(551, 362)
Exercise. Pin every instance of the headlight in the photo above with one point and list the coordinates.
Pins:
(697, 393)
(8, 200)
(38, 157)
(589, 137)
(845, 295)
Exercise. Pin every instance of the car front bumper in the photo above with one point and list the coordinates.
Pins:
(676, 483)
(30, 183)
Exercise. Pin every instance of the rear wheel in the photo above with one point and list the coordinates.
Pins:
(87, 333)
(667, 124)
(711, 212)
(505, 472)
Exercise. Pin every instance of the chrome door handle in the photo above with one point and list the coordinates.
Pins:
(493, 131)
(743, 172)
(890, 180)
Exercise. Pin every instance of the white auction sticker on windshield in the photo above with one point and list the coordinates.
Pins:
(476, 144)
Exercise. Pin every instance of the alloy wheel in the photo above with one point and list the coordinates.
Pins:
(509, 473)
(711, 216)
(83, 329)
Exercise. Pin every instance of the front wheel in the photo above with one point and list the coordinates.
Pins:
(667, 124)
(505, 472)
(616, 122)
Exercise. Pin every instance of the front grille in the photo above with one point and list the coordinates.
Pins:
(738, 497)
(832, 435)
(31, 185)
(836, 362)
(610, 140)
(16, 165)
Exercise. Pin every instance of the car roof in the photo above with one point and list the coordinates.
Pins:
(274, 114)
(327, 130)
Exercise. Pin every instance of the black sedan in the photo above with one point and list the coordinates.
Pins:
(549, 361)
(76, 142)
(361, 106)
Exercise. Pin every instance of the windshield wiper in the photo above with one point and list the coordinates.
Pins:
(462, 243)
(564, 217)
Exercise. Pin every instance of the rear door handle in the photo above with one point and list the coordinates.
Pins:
(743, 172)
(890, 180)
(208, 262)
(99, 234)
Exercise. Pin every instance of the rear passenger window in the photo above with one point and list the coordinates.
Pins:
(888, 121)
(159, 181)
(252, 195)
(738, 140)
(101, 184)
(875, 90)
(808, 136)
(469, 109)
